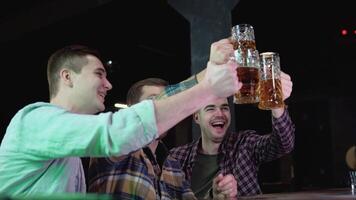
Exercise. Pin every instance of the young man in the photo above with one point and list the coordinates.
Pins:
(41, 149)
(239, 154)
(139, 175)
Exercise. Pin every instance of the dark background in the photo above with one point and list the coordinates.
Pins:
(151, 39)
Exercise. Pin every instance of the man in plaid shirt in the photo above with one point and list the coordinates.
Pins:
(138, 175)
(240, 154)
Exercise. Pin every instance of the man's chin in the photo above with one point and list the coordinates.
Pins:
(100, 107)
(219, 132)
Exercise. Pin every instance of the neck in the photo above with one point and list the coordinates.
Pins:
(66, 104)
(209, 147)
(63, 104)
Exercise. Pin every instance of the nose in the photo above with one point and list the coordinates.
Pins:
(108, 85)
(219, 112)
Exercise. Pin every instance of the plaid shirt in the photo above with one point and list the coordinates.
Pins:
(241, 154)
(138, 175)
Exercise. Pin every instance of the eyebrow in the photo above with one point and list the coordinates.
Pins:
(211, 106)
(101, 70)
(225, 105)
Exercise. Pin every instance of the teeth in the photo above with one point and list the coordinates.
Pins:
(218, 123)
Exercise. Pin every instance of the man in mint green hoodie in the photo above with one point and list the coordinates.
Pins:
(40, 152)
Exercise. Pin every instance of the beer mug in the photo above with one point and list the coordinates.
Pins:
(270, 87)
(247, 58)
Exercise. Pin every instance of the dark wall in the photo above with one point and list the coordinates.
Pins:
(307, 36)
(140, 43)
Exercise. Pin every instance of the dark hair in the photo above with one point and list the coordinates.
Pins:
(135, 91)
(71, 57)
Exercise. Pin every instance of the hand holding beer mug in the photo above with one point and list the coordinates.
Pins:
(270, 87)
(247, 58)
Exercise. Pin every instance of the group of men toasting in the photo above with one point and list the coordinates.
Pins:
(40, 152)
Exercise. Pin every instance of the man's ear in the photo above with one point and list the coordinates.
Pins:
(196, 118)
(66, 76)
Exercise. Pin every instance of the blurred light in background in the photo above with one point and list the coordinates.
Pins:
(120, 105)
(343, 32)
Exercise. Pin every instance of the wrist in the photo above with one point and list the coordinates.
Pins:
(278, 112)
(199, 77)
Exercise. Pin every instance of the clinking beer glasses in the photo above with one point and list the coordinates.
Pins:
(270, 88)
(247, 58)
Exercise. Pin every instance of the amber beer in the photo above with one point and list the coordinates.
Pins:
(270, 87)
(249, 76)
(247, 58)
(270, 94)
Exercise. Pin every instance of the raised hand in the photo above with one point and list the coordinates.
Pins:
(221, 51)
(221, 80)
(287, 85)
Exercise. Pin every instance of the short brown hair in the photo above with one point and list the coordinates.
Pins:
(72, 57)
(135, 91)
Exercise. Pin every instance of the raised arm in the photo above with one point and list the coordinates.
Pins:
(219, 81)
(281, 140)
(220, 53)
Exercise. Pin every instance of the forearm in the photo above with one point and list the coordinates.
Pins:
(271, 146)
(177, 88)
(57, 133)
(170, 111)
(284, 129)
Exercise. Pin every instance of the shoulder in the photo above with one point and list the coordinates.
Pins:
(39, 106)
(39, 110)
(242, 137)
(181, 148)
(34, 114)
(181, 151)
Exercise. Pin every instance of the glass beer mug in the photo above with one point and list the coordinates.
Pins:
(247, 58)
(270, 87)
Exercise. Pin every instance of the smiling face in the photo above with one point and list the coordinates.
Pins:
(214, 119)
(90, 87)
